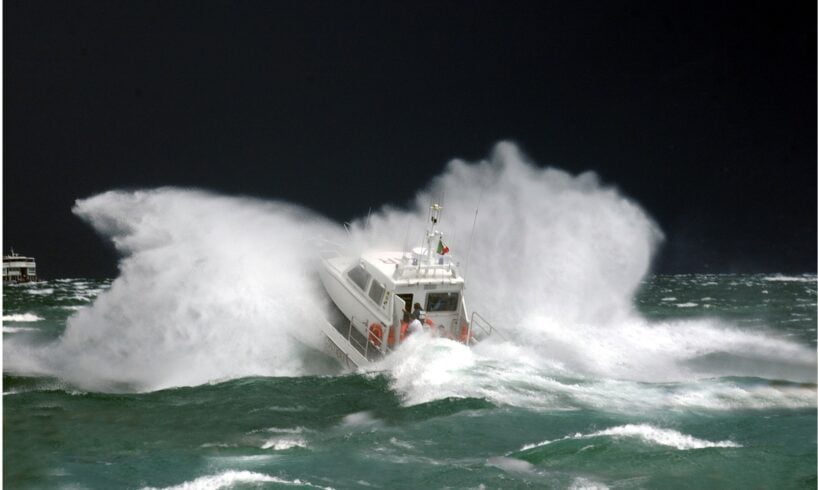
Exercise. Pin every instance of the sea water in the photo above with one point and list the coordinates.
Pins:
(471, 423)
(200, 364)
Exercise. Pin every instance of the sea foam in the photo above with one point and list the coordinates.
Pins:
(231, 478)
(22, 317)
(214, 287)
(553, 261)
(646, 433)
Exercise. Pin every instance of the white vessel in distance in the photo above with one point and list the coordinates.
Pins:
(18, 269)
(376, 292)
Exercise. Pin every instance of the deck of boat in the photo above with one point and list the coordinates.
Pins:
(358, 340)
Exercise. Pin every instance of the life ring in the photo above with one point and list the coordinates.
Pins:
(375, 334)
(464, 333)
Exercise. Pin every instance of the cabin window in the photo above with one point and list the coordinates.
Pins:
(442, 301)
(359, 276)
(376, 291)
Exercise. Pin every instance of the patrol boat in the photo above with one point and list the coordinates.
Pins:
(373, 296)
(18, 269)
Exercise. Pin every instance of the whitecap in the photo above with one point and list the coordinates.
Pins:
(18, 329)
(22, 317)
(232, 478)
(783, 278)
(280, 430)
(282, 443)
(646, 433)
(360, 420)
(217, 444)
(581, 483)
(511, 465)
(397, 442)
(686, 305)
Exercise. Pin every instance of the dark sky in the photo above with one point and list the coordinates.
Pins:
(703, 112)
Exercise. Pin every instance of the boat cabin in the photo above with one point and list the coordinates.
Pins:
(17, 268)
(378, 291)
(378, 294)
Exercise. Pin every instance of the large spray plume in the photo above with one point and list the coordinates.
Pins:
(214, 287)
(210, 288)
(532, 241)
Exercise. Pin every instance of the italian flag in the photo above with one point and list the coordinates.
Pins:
(442, 249)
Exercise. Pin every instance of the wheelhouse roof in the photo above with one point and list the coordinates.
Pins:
(396, 269)
(393, 272)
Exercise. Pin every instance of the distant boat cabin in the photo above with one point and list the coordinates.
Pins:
(17, 269)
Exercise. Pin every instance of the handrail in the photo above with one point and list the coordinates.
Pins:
(363, 348)
(486, 328)
(416, 270)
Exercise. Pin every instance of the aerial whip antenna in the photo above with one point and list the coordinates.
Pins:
(473, 226)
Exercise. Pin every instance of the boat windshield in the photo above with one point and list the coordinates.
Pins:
(359, 276)
(442, 301)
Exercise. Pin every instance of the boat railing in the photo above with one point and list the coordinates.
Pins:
(480, 328)
(425, 270)
(362, 342)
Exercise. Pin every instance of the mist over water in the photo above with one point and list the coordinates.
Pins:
(554, 262)
(210, 288)
(214, 287)
(545, 243)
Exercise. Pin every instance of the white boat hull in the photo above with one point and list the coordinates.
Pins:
(352, 304)
(340, 348)
(379, 292)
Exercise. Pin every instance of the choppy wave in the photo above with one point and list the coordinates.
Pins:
(427, 369)
(646, 433)
(228, 479)
(782, 278)
(283, 443)
(18, 329)
(22, 317)
(581, 483)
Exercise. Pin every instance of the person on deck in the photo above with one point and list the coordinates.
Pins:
(418, 312)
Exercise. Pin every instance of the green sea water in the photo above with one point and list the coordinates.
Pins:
(739, 416)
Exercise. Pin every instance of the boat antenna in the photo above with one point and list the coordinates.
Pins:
(441, 202)
(471, 237)
(425, 232)
(434, 216)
